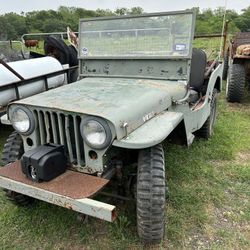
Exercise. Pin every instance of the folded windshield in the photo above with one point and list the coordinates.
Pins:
(145, 36)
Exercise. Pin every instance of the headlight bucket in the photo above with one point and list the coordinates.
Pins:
(96, 132)
(22, 119)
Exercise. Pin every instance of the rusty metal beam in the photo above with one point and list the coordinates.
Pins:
(86, 206)
(207, 36)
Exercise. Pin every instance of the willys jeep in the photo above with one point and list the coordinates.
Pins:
(139, 84)
(237, 60)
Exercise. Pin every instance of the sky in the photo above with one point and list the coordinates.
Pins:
(18, 6)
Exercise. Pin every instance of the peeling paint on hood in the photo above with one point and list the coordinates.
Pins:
(131, 101)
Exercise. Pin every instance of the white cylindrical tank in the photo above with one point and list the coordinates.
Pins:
(28, 69)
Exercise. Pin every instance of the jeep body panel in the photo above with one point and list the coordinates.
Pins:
(157, 129)
(131, 101)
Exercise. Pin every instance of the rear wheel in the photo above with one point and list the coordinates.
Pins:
(207, 129)
(12, 151)
(236, 83)
(150, 195)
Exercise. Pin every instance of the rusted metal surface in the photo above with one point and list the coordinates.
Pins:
(242, 38)
(84, 205)
(207, 36)
(71, 184)
(242, 56)
(239, 39)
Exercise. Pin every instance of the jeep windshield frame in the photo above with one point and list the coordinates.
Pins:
(165, 35)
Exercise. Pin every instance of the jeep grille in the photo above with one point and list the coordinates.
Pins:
(59, 128)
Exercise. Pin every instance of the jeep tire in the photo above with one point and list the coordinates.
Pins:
(150, 195)
(236, 83)
(12, 151)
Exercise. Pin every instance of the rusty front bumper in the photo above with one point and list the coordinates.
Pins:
(70, 190)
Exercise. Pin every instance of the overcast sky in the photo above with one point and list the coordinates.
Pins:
(148, 5)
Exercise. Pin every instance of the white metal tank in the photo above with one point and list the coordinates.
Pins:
(27, 69)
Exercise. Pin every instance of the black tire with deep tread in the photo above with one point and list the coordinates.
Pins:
(236, 83)
(12, 151)
(225, 66)
(206, 130)
(150, 195)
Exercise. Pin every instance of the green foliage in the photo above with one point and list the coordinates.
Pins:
(211, 22)
(243, 21)
(13, 25)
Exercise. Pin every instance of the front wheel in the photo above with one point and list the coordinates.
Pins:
(150, 195)
(12, 151)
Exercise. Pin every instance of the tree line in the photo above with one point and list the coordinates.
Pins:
(13, 25)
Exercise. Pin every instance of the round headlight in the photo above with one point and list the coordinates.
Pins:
(22, 120)
(96, 133)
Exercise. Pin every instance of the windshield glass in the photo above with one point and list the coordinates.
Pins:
(164, 35)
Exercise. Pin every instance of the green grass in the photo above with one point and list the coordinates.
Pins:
(208, 205)
(209, 45)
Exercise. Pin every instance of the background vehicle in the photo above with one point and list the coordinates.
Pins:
(238, 61)
(140, 83)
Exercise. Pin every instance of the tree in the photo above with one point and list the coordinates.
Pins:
(53, 25)
(121, 11)
(243, 20)
(15, 25)
(136, 11)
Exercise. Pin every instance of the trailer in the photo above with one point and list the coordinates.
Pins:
(28, 77)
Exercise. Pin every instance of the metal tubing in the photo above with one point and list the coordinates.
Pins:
(11, 69)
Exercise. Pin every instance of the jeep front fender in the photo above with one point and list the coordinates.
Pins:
(152, 132)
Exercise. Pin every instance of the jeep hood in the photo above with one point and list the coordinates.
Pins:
(131, 101)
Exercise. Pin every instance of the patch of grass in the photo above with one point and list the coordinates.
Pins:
(208, 205)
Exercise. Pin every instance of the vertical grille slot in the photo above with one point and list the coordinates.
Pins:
(48, 127)
(68, 138)
(77, 137)
(54, 128)
(61, 129)
(41, 127)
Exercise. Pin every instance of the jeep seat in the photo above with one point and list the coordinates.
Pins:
(197, 71)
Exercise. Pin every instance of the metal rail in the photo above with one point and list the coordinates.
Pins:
(23, 82)
(61, 34)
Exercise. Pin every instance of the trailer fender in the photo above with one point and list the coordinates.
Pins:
(152, 132)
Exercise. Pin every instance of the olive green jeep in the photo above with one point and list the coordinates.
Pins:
(140, 83)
